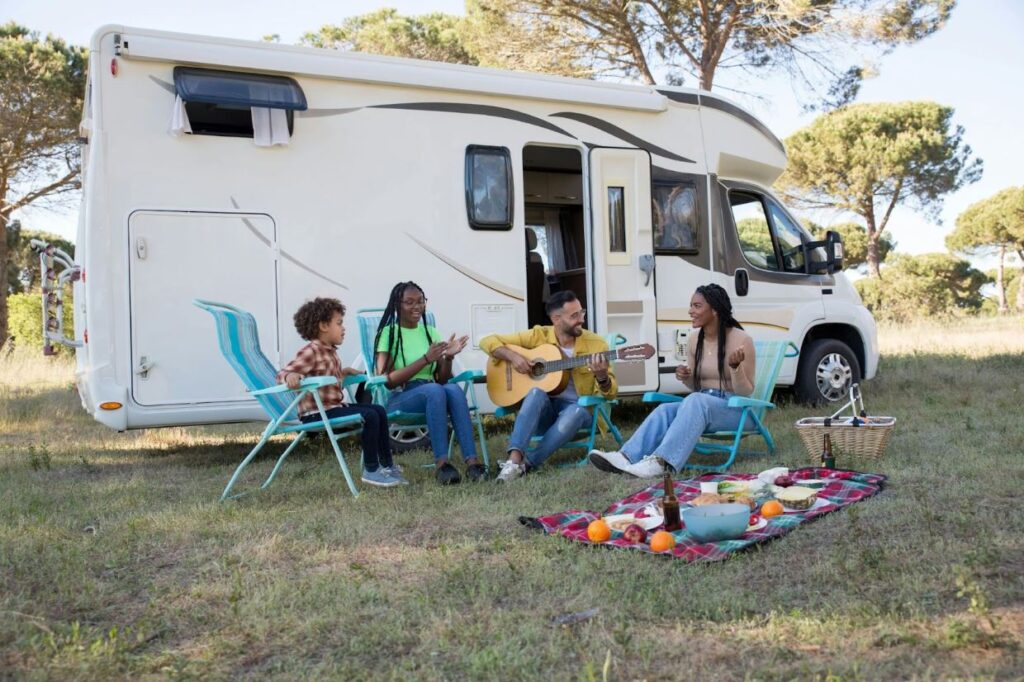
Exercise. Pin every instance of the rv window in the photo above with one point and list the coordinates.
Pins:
(791, 236)
(489, 188)
(676, 218)
(221, 102)
(617, 219)
(752, 228)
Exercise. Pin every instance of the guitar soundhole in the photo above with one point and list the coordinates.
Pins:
(537, 370)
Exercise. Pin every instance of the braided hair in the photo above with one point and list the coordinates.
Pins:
(392, 318)
(719, 301)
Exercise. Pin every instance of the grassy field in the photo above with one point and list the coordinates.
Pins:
(116, 560)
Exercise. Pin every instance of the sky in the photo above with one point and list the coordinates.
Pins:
(973, 64)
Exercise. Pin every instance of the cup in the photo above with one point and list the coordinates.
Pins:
(709, 487)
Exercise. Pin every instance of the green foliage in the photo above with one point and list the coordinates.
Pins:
(26, 325)
(483, 37)
(997, 220)
(42, 81)
(693, 39)
(869, 158)
(929, 285)
(855, 242)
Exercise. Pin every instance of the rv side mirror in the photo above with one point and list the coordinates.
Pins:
(834, 251)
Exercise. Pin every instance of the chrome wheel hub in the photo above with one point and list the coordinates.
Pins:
(833, 376)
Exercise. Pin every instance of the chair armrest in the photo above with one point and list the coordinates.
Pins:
(791, 350)
(592, 400)
(377, 380)
(655, 397)
(307, 383)
(467, 375)
(740, 401)
(503, 411)
(353, 379)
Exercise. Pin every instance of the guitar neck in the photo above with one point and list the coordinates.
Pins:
(579, 361)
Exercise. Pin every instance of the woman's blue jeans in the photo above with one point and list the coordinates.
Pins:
(559, 420)
(438, 402)
(672, 430)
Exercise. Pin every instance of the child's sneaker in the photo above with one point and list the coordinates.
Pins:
(379, 478)
(395, 472)
(510, 471)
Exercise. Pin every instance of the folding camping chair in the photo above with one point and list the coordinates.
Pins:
(416, 422)
(770, 355)
(601, 409)
(240, 345)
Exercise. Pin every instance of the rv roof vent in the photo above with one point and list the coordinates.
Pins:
(238, 89)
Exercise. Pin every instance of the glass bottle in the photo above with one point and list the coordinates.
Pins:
(828, 460)
(670, 502)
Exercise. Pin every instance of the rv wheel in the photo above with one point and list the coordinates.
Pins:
(826, 370)
(405, 438)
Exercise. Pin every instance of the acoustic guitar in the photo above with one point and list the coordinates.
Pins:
(549, 370)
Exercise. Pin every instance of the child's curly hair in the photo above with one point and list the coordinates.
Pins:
(311, 313)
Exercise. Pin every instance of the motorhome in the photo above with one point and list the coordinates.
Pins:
(262, 175)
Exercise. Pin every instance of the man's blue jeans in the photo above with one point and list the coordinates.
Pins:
(437, 402)
(559, 419)
(673, 429)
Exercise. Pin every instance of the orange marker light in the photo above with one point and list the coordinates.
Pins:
(110, 406)
(113, 67)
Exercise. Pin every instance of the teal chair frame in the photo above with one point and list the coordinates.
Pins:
(369, 319)
(601, 408)
(770, 355)
(240, 345)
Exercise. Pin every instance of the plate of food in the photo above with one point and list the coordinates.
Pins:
(757, 522)
(799, 498)
(620, 522)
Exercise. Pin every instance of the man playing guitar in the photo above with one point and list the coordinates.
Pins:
(558, 416)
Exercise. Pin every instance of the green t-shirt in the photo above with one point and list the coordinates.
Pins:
(414, 347)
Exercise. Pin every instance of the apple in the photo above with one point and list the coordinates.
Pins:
(784, 481)
(635, 533)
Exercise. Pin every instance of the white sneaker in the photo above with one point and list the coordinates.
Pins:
(510, 471)
(613, 462)
(650, 466)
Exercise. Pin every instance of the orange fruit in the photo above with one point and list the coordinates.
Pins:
(662, 541)
(598, 531)
(771, 508)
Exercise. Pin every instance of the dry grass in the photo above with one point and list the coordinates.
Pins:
(117, 561)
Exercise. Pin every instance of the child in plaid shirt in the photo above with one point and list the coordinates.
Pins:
(321, 322)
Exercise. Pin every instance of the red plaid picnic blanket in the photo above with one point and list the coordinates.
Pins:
(843, 489)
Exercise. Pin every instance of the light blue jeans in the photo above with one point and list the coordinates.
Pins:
(559, 419)
(438, 402)
(673, 429)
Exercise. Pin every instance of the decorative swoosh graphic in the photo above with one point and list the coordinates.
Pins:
(481, 109)
(624, 135)
(475, 276)
(284, 254)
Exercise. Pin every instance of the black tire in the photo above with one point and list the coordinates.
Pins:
(826, 370)
(406, 438)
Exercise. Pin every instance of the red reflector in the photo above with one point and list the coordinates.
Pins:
(85, 336)
(113, 66)
(83, 275)
(110, 406)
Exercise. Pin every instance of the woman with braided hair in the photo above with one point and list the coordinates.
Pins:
(722, 362)
(418, 364)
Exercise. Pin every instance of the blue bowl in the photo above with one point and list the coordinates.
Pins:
(714, 522)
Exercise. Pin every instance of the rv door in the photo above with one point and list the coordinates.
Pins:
(178, 256)
(622, 241)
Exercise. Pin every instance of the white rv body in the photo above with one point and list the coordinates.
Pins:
(372, 189)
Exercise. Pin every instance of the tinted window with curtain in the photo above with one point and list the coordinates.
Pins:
(676, 218)
(489, 188)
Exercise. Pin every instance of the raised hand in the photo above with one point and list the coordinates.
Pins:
(683, 372)
(736, 358)
(435, 351)
(456, 345)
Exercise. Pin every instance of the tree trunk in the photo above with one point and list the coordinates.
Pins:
(1000, 282)
(873, 268)
(4, 221)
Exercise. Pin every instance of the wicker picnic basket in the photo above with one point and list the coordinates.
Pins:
(853, 438)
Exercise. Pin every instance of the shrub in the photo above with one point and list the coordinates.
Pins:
(929, 285)
(24, 318)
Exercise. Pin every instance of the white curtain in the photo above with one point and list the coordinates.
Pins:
(556, 246)
(270, 126)
(179, 118)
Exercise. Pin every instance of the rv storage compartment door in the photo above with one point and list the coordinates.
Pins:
(623, 248)
(175, 257)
